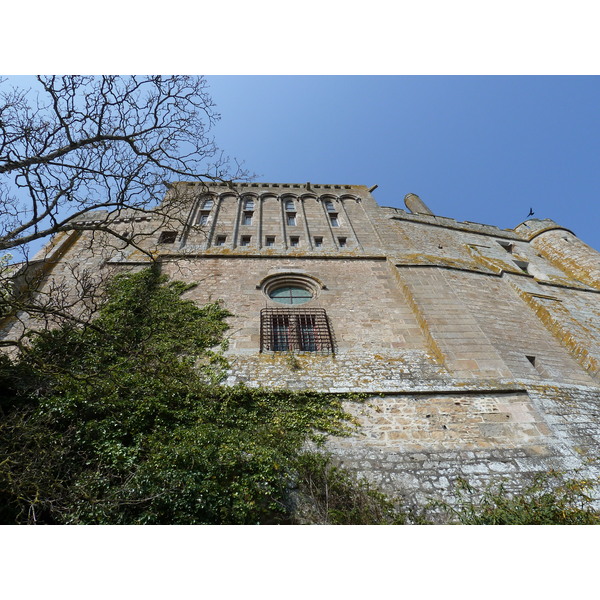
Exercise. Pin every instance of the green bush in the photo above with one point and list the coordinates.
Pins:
(551, 498)
(125, 421)
(329, 495)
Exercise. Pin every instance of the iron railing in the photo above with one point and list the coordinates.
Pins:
(296, 330)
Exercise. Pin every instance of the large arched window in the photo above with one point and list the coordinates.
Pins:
(291, 326)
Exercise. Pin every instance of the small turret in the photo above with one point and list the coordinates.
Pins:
(416, 205)
(563, 248)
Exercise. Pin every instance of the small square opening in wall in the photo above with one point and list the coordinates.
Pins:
(538, 366)
(342, 241)
(220, 241)
(318, 242)
(269, 241)
(507, 246)
(294, 242)
(245, 240)
(524, 266)
(167, 237)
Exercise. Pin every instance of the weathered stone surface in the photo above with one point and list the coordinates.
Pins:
(478, 348)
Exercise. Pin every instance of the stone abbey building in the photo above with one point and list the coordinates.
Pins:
(479, 347)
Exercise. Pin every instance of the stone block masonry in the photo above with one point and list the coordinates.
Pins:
(478, 349)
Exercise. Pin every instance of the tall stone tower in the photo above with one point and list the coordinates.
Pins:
(478, 348)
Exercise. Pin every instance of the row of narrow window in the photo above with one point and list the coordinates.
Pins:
(169, 237)
(249, 205)
(290, 213)
(291, 219)
(245, 240)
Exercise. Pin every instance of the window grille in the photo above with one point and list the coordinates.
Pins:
(293, 329)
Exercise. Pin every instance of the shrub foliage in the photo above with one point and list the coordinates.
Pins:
(125, 421)
(551, 498)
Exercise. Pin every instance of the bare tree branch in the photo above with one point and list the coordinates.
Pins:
(79, 143)
(82, 158)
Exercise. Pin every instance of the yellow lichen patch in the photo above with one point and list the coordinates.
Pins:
(496, 265)
(419, 259)
(432, 345)
(390, 359)
(563, 330)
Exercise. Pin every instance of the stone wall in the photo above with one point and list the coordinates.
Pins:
(478, 348)
(416, 446)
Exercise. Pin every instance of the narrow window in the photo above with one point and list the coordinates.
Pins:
(167, 237)
(333, 219)
(248, 204)
(203, 218)
(289, 206)
(329, 206)
(247, 218)
(280, 333)
(306, 330)
(245, 241)
(294, 242)
(269, 241)
(220, 241)
(291, 219)
(318, 242)
(342, 242)
(208, 204)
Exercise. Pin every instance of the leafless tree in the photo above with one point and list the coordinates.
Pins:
(72, 145)
(79, 144)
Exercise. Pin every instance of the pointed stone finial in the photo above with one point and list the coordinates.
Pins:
(416, 205)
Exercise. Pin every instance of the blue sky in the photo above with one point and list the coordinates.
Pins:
(474, 148)
(477, 148)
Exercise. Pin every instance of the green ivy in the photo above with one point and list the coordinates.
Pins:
(125, 421)
(550, 498)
